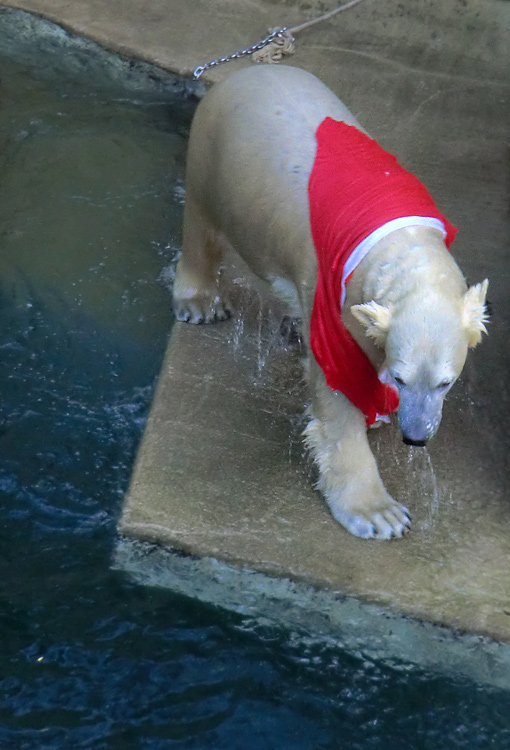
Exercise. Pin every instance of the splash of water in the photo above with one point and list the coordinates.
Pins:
(422, 471)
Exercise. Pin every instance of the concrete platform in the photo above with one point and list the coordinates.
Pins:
(221, 472)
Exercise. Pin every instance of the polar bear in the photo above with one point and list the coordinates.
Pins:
(272, 155)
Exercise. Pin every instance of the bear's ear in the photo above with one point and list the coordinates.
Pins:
(375, 319)
(474, 316)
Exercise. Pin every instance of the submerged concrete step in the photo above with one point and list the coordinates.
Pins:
(311, 615)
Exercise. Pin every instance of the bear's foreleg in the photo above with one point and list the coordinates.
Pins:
(348, 477)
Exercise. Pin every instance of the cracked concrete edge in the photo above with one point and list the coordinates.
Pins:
(323, 616)
(116, 35)
(19, 29)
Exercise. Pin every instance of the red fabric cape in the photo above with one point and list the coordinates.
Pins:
(355, 187)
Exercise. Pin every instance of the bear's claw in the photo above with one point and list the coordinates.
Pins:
(196, 313)
(393, 522)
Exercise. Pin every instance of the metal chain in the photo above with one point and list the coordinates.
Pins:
(277, 33)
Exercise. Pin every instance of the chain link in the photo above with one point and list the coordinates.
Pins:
(277, 33)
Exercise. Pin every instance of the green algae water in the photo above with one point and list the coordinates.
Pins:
(91, 193)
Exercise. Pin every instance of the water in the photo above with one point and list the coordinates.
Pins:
(421, 472)
(90, 210)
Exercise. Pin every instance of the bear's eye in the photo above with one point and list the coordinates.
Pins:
(398, 380)
(444, 384)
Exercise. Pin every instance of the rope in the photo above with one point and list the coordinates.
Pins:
(278, 43)
(324, 17)
(282, 44)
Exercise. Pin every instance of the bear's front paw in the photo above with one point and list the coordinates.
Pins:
(389, 519)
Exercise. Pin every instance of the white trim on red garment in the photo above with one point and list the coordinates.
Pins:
(364, 247)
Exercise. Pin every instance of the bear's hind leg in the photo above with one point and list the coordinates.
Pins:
(196, 297)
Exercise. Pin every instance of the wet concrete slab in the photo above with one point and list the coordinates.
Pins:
(221, 471)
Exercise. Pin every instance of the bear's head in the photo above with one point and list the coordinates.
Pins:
(426, 340)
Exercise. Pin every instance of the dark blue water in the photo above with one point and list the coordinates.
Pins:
(90, 211)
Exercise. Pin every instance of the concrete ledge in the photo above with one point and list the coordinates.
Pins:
(319, 616)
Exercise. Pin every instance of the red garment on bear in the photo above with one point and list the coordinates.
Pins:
(356, 188)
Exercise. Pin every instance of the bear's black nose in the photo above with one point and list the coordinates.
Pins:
(419, 443)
